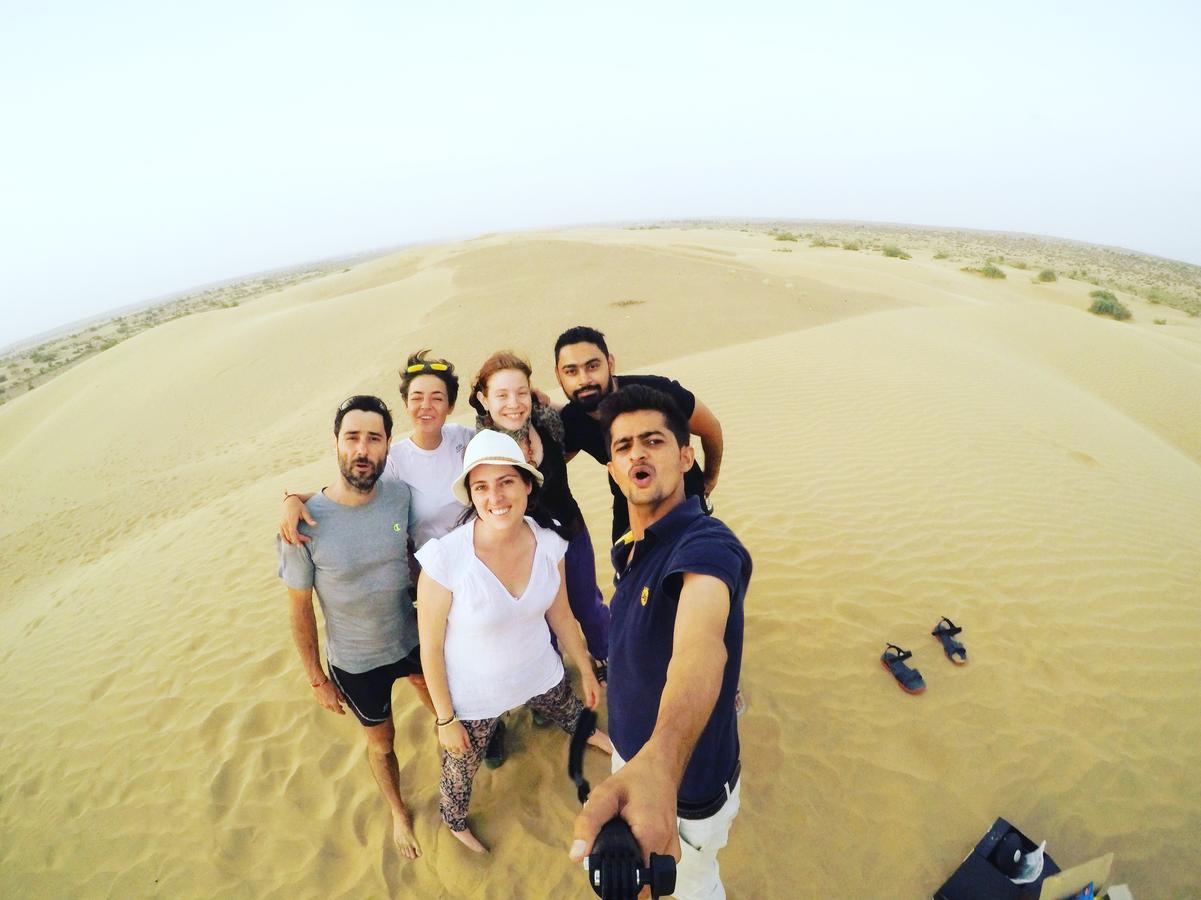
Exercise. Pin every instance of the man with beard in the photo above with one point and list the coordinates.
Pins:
(585, 369)
(358, 562)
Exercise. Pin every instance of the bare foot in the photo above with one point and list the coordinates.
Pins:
(601, 741)
(402, 834)
(469, 840)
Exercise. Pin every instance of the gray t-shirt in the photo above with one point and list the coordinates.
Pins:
(357, 561)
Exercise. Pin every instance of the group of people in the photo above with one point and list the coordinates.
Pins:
(483, 523)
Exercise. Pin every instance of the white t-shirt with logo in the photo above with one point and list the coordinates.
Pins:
(497, 649)
(428, 473)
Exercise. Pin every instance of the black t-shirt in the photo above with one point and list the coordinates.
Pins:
(582, 432)
(555, 497)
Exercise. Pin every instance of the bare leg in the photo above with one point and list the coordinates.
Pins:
(423, 692)
(381, 755)
(600, 741)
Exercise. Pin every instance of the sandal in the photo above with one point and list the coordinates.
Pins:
(945, 631)
(909, 679)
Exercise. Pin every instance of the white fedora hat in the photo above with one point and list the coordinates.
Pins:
(490, 448)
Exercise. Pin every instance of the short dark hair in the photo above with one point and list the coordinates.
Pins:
(417, 364)
(364, 403)
(637, 398)
(580, 334)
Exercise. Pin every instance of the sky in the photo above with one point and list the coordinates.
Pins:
(152, 147)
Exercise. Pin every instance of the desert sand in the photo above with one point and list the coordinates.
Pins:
(904, 440)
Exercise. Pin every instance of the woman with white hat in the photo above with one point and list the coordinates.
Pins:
(487, 592)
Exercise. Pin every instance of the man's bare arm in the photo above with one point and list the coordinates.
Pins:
(644, 791)
(304, 633)
(706, 427)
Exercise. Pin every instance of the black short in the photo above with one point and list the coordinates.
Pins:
(369, 694)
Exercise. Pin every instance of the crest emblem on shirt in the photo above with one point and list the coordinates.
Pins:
(646, 595)
(396, 527)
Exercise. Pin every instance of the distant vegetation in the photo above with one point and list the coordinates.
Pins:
(851, 245)
(786, 236)
(822, 242)
(988, 270)
(1046, 275)
(894, 251)
(1106, 304)
(942, 254)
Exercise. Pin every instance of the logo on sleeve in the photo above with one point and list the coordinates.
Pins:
(646, 595)
(396, 527)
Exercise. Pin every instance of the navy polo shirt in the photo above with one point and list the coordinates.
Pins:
(643, 626)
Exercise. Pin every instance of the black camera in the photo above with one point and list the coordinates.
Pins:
(615, 870)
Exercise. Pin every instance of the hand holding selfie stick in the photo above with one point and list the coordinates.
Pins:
(615, 869)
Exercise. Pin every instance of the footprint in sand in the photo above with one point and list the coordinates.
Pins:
(1084, 459)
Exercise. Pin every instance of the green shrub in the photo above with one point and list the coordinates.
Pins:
(1161, 321)
(786, 236)
(1046, 275)
(1106, 304)
(941, 254)
(895, 252)
(851, 245)
(988, 270)
(821, 242)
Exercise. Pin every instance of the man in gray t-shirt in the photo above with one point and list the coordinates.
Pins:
(358, 562)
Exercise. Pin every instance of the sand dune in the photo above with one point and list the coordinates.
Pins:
(904, 441)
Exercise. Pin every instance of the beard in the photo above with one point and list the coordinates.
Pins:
(592, 401)
(364, 482)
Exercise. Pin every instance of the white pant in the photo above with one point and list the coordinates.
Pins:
(697, 874)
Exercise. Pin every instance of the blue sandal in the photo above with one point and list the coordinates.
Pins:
(945, 631)
(910, 680)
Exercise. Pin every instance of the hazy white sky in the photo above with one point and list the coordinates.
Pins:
(151, 147)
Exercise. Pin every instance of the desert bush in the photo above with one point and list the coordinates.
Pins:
(1106, 304)
(895, 252)
(1046, 275)
(988, 270)
(1161, 321)
(851, 245)
(941, 254)
(821, 242)
(786, 236)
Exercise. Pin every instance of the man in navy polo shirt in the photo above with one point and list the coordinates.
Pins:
(584, 367)
(675, 651)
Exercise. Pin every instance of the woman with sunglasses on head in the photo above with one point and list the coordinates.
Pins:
(505, 401)
(426, 460)
(486, 595)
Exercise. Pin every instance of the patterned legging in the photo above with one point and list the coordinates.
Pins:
(559, 704)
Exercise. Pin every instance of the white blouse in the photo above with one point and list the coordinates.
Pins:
(497, 650)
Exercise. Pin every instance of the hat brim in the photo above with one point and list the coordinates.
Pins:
(459, 489)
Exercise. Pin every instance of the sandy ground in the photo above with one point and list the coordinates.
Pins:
(903, 441)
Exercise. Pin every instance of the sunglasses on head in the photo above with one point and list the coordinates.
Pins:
(427, 367)
(365, 402)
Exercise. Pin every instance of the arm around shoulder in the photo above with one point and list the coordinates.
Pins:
(706, 427)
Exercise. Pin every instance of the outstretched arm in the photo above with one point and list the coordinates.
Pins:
(304, 633)
(705, 426)
(644, 791)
